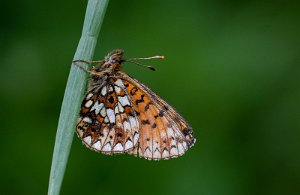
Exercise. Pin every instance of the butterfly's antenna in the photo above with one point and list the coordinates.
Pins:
(134, 60)
(149, 58)
(142, 65)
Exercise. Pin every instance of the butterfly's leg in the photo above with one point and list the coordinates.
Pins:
(91, 72)
(82, 68)
(87, 62)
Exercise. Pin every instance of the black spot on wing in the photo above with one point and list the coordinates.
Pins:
(153, 126)
(147, 106)
(133, 90)
(145, 122)
(140, 100)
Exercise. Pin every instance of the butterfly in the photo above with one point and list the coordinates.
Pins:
(119, 114)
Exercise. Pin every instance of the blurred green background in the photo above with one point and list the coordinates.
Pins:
(232, 69)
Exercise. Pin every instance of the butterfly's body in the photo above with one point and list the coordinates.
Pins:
(121, 115)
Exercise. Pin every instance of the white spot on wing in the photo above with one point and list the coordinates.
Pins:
(174, 151)
(97, 107)
(118, 147)
(120, 83)
(118, 89)
(89, 96)
(165, 154)
(116, 109)
(103, 112)
(136, 138)
(103, 91)
(87, 119)
(87, 140)
(128, 144)
(97, 145)
(121, 109)
(156, 154)
(134, 123)
(111, 115)
(110, 89)
(126, 125)
(147, 153)
(180, 149)
(106, 120)
(124, 100)
(107, 147)
(88, 103)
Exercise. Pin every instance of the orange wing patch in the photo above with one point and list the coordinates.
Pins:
(160, 135)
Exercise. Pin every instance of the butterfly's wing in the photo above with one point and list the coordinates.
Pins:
(107, 121)
(163, 133)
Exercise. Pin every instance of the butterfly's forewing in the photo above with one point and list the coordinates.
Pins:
(163, 133)
(107, 121)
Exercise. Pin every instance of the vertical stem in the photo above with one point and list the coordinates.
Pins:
(74, 92)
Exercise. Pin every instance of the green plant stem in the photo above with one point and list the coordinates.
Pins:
(74, 92)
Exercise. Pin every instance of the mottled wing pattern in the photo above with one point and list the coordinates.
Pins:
(173, 116)
(163, 133)
(108, 122)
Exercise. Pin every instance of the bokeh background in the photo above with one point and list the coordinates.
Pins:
(232, 68)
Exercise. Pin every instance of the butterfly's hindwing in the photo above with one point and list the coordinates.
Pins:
(107, 121)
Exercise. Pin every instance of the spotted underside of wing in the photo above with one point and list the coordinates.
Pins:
(107, 121)
(124, 116)
(163, 133)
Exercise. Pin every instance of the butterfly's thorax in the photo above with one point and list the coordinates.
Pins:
(105, 73)
(108, 70)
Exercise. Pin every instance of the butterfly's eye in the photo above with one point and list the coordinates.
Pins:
(114, 59)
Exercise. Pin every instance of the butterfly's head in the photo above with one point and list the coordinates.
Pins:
(113, 61)
(115, 56)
